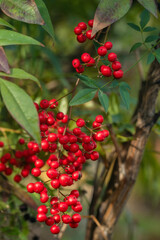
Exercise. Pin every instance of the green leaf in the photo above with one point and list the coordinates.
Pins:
(21, 107)
(20, 74)
(157, 51)
(46, 17)
(145, 17)
(4, 67)
(134, 26)
(88, 81)
(83, 96)
(150, 5)
(124, 85)
(149, 29)
(114, 84)
(109, 12)
(151, 38)
(150, 58)
(104, 100)
(22, 10)
(135, 46)
(6, 24)
(125, 96)
(8, 37)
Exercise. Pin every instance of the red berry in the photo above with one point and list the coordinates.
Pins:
(75, 192)
(17, 178)
(62, 206)
(99, 136)
(39, 163)
(44, 197)
(96, 125)
(72, 200)
(38, 187)
(106, 71)
(42, 209)
(76, 175)
(74, 147)
(30, 187)
(53, 103)
(73, 225)
(1, 144)
(80, 69)
(49, 221)
(90, 23)
(44, 104)
(2, 167)
(94, 155)
(99, 119)
(81, 38)
(76, 218)
(89, 34)
(106, 133)
(80, 122)
(85, 57)
(82, 25)
(116, 65)
(108, 45)
(112, 57)
(55, 183)
(102, 51)
(118, 74)
(25, 172)
(64, 179)
(8, 171)
(77, 131)
(55, 229)
(77, 208)
(36, 172)
(52, 173)
(57, 218)
(21, 141)
(77, 30)
(66, 219)
(91, 62)
(76, 63)
(41, 217)
(54, 200)
(52, 137)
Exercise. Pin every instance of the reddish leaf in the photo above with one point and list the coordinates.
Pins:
(22, 10)
(108, 12)
(4, 67)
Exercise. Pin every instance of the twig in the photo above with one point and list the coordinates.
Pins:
(9, 130)
(98, 224)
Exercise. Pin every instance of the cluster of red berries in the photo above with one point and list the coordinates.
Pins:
(112, 68)
(67, 151)
(81, 32)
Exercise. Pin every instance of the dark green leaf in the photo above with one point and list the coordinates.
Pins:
(134, 26)
(6, 24)
(125, 96)
(45, 15)
(21, 107)
(158, 58)
(20, 74)
(145, 17)
(114, 84)
(149, 29)
(150, 58)
(83, 96)
(124, 85)
(4, 67)
(157, 51)
(135, 46)
(88, 81)
(150, 5)
(109, 12)
(103, 98)
(8, 37)
(22, 10)
(151, 38)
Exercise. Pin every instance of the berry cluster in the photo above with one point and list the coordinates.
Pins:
(67, 151)
(81, 32)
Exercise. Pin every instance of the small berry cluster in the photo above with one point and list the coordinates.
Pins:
(81, 32)
(71, 149)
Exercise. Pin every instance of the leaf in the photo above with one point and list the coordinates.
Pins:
(124, 85)
(103, 98)
(8, 37)
(149, 29)
(145, 17)
(46, 17)
(83, 96)
(109, 12)
(125, 96)
(134, 26)
(157, 52)
(114, 84)
(88, 81)
(22, 10)
(150, 5)
(4, 67)
(150, 58)
(5, 23)
(21, 107)
(135, 46)
(151, 38)
(20, 74)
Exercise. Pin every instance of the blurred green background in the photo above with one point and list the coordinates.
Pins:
(52, 66)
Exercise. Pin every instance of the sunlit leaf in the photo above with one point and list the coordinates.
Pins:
(104, 100)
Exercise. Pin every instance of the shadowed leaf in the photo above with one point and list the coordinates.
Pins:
(6, 24)
(150, 5)
(4, 67)
(22, 10)
(109, 12)
(21, 107)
